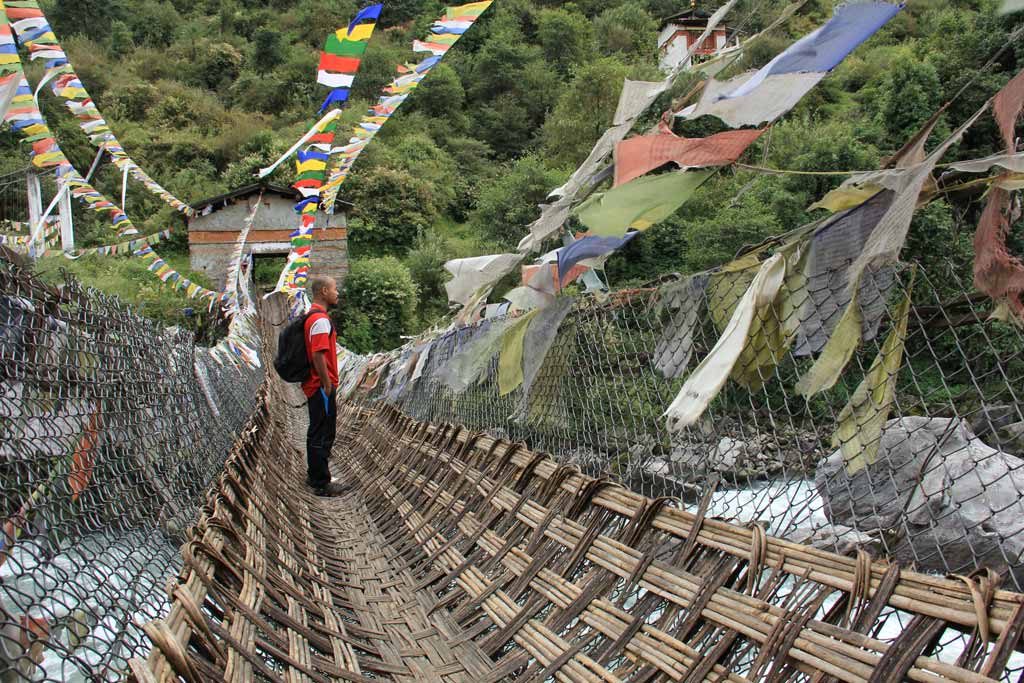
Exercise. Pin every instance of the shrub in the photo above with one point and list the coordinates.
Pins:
(392, 207)
(509, 204)
(378, 304)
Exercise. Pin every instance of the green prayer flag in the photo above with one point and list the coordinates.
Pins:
(344, 48)
(774, 326)
(640, 203)
(510, 362)
(837, 353)
(728, 285)
(862, 419)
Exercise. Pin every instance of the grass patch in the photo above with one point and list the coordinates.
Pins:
(128, 279)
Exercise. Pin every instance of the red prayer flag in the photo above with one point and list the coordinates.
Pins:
(338, 64)
(642, 154)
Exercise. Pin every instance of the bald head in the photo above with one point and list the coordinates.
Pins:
(323, 290)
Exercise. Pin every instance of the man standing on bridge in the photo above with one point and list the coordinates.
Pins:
(320, 387)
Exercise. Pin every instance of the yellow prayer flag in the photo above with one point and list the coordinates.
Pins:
(310, 165)
(837, 353)
(510, 362)
(359, 32)
(859, 431)
(843, 198)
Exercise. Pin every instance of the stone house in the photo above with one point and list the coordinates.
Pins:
(213, 232)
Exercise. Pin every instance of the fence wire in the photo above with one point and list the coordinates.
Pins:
(111, 428)
(934, 480)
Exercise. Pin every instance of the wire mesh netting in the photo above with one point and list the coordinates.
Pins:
(914, 453)
(111, 428)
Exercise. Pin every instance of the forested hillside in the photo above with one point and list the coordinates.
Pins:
(202, 93)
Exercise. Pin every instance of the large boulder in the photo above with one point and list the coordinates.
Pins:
(937, 496)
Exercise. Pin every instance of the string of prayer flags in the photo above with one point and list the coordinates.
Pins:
(311, 170)
(120, 249)
(26, 118)
(756, 97)
(340, 59)
(162, 270)
(234, 274)
(642, 154)
(34, 33)
(639, 204)
(339, 63)
(636, 97)
(445, 32)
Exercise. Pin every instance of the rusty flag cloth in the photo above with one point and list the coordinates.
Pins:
(639, 155)
(1006, 107)
(997, 272)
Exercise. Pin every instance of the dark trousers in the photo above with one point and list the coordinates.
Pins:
(323, 426)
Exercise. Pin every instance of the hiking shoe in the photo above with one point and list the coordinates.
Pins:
(333, 489)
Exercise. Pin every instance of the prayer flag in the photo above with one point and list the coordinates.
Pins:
(639, 204)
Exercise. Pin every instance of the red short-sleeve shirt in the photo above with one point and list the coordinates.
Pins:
(320, 336)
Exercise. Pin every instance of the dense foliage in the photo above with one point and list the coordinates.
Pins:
(203, 93)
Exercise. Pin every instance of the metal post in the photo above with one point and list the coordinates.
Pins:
(35, 198)
(67, 224)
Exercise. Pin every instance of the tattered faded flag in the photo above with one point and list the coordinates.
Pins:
(639, 204)
(642, 154)
(764, 95)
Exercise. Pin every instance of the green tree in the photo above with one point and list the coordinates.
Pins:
(267, 50)
(392, 207)
(91, 18)
(152, 22)
(441, 96)
(903, 97)
(507, 205)
(627, 29)
(585, 110)
(566, 36)
(426, 266)
(377, 305)
(121, 41)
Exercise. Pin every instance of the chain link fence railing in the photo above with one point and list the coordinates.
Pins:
(111, 428)
(915, 453)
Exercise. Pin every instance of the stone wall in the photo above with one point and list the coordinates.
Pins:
(212, 237)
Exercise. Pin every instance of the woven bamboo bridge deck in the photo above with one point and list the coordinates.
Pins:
(461, 557)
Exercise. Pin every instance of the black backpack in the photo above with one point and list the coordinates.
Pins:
(291, 362)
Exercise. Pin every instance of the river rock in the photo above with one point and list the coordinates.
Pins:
(940, 496)
(989, 419)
